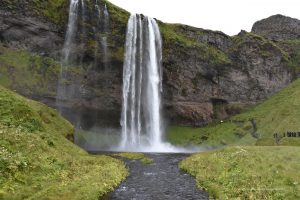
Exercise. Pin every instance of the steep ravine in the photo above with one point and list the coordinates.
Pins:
(207, 75)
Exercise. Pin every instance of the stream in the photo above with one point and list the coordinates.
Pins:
(161, 179)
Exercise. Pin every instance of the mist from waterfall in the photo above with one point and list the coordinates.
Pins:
(141, 119)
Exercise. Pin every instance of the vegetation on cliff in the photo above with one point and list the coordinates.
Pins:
(56, 11)
(37, 161)
(31, 74)
(176, 34)
(247, 172)
(21, 69)
(293, 47)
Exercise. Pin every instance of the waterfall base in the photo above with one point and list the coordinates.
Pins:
(109, 139)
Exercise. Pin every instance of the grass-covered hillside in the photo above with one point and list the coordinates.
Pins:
(250, 167)
(247, 172)
(37, 161)
(279, 114)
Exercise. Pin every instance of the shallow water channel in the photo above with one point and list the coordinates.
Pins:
(161, 179)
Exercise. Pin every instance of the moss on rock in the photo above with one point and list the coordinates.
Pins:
(55, 10)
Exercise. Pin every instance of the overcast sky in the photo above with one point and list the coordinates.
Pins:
(228, 16)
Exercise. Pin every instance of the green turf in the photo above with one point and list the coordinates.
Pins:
(247, 172)
(135, 156)
(38, 162)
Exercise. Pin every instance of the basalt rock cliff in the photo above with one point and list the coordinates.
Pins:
(207, 75)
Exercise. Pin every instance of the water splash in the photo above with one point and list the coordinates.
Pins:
(141, 117)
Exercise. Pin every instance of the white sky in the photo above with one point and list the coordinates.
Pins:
(228, 16)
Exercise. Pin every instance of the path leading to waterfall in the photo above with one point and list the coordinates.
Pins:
(160, 180)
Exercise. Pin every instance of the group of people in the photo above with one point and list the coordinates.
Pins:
(287, 134)
(291, 134)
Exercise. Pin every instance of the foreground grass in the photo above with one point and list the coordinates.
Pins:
(247, 172)
(38, 162)
(280, 113)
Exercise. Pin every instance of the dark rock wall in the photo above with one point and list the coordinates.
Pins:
(205, 73)
(21, 31)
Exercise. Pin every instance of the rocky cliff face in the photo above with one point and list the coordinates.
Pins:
(203, 84)
(207, 75)
(21, 31)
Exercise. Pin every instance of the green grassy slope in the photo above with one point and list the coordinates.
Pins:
(247, 172)
(22, 69)
(280, 113)
(38, 162)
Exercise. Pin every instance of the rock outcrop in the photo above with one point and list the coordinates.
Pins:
(207, 75)
(253, 68)
(26, 32)
(278, 28)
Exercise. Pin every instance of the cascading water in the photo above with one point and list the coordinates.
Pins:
(101, 33)
(98, 8)
(65, 92)
(83, 30)
(104, 38)
(142, 77)
(71, 30)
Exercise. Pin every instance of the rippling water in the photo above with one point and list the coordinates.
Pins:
(160, 180)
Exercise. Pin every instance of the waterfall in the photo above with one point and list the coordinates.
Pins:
(101, 32)
(141, 117)
(71, 30)
(98, 8)
(104, 38)
(65, 92)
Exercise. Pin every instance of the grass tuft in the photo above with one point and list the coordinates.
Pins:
(135, 156)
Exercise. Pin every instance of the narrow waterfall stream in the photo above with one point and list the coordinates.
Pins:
(71, 30)
(104, 38)
(66, 92)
